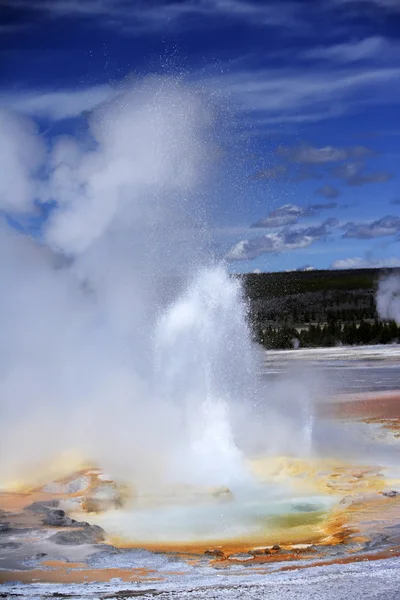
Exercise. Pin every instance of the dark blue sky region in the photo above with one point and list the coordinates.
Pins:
(312, 89)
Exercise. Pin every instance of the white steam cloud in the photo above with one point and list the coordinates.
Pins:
(99, 353)
(388, 298)
(22, 152)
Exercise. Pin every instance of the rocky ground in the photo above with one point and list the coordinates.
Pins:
(51, 546)
(379, 580)
(46, 553)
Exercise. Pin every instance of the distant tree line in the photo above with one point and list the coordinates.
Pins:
(315, 309)
(320, 314)
(331, 334)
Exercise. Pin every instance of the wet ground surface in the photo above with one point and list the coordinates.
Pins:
(379, 580)
(346, 379)
(338, 370)
(352, 552)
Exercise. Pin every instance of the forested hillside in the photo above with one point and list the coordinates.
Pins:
(317, 308)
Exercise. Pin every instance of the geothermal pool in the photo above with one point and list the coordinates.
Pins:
(313, 514)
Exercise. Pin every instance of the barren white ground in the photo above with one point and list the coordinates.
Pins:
(358, 581)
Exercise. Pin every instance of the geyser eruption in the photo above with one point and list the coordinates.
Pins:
(123, 342)
(205, 363)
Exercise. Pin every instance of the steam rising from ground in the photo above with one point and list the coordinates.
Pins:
(100, 354)
(388, 298)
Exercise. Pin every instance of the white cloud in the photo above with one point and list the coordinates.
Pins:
(311, 155)
(354, 174)
(386, 226)
(57, 105)
(348, 52)
(277, 221)
(142, 16)
(304, 94)
(365, 263)
(289, 214)
(306, 268)
(269, 96)
(287, 239)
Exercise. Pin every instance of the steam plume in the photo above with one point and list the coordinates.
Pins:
(388, 298)
(100, 355)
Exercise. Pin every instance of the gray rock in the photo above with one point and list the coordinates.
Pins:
(42, 508)
(214, 553)
(377, 542)
(257, 552)
(10, 545)
(58, 518)
(391, 494)
(4, 527)
(90, 534)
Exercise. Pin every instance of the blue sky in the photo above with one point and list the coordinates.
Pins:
(310, 169)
